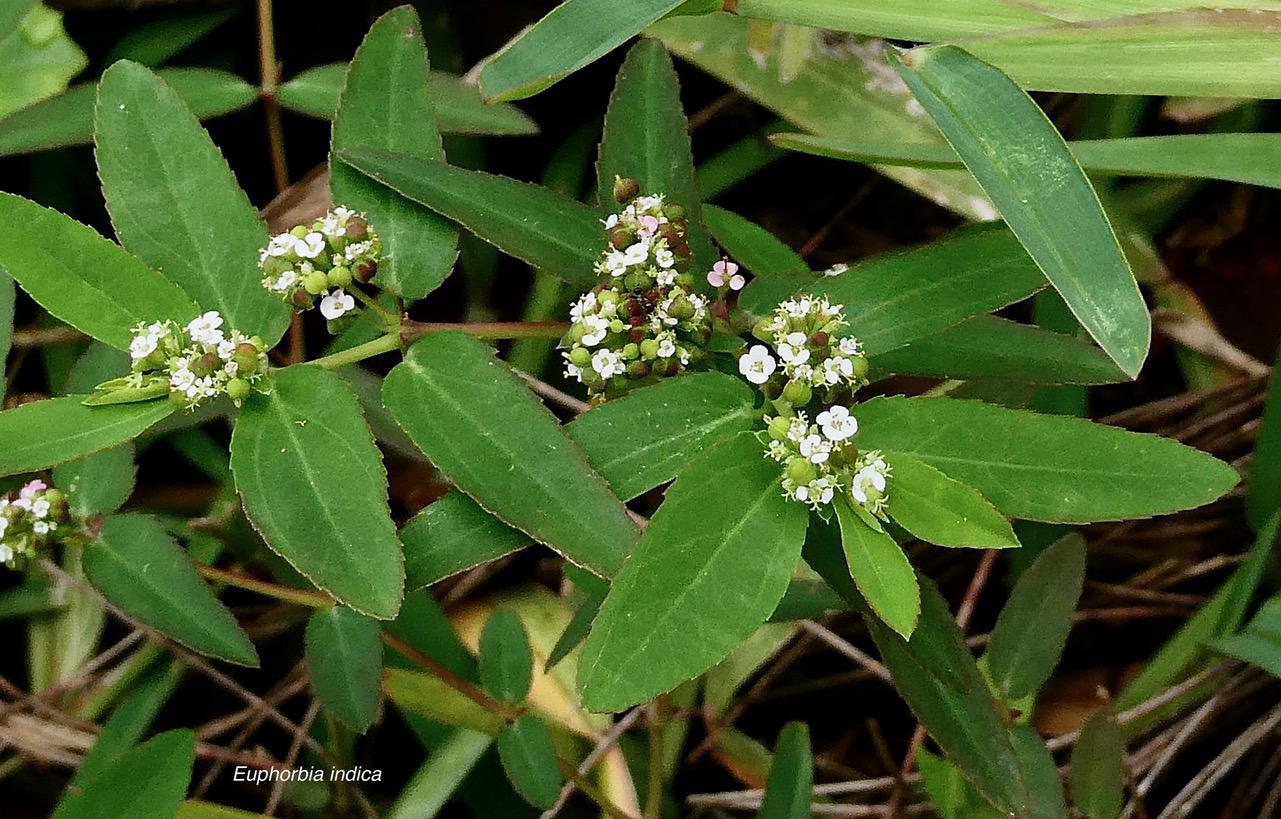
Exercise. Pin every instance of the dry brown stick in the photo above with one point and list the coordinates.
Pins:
(295, 747)
(606, 741)
(866, 661)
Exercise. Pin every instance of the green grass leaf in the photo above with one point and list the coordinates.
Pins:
(896, 298)
(1023, 164)
(440, 776)
(1263, 500)
(531, 223)
(575, 33)
(635, 443)
(429, 696)
(345, 660)
(646, 138)
(709, 570)
(1252, 159)
(1046, 467)
(1040, 772)
(943, 511)
(881, 571)
(148, 782)
(993, 347)
(313, 484)
(791, 776)
(1098, 769)
(525, 749)
(1034, 623)
(175, 204)
(80, 277)
(481, 426)
(138, 566)
(387, 103)
(67, 119)
(42, 434)
(506, 659)
(458, 104)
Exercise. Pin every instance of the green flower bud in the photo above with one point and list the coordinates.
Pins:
(625, 190)
(300, 232)
(315, 283)
(607, 297)
(629, 352)
(339, 277)
(576, 332)
(649, 349)
(237, 389)
(681, 309)
(54, 496)
(797, 393)
(617, 326)
(860, 367)
(801, 471)
(178, 398)
(580, 357)
(778, 427)
(635, 280)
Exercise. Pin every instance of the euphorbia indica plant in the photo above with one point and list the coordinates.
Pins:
(733, 376)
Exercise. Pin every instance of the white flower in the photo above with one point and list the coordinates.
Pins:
(868, 485)
(204, 329)
(573, 371)
(4, 524)
(41, 527)
(798, 428)
(615, 263)
(794, 356)
(310, 246)
(357, 249)
(143, 346)
(849, 346)
(837, 369)
(227, 347)
(40, 508)
(666, 346)
(836, 269)
(797, 308)
(607, 363)
(583, 307)
(285, 281)
(279, 246)
(636, 254)
(6, 553)
(611, 221)
(814, 449)
(666, 277)
(182, 379)
(837, 423)
(777, 450)
(821, 491)
(757, 365)
(597, 327)
(337, 304)
(664, 258)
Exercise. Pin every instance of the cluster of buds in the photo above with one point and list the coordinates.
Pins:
(320, 260)
(820, 461)
(29, 521)
(807, 360)
(189, 364)
(643, 321)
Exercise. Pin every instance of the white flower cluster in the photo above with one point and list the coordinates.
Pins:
(820, 462)
(644, 321)
(805, 351)
(27, 522)
(320, 260)
(191, 363)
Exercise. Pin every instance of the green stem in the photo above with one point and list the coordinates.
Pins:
(391, 319)
(343, 358)
(490, 330)
(272, 590)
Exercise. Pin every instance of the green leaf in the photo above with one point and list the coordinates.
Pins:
(452, 535)
(1098, 776)
(1259, 643)
(1045, 467)
(791, 776)
(1033, 627)
(138, 567)
(828, 86)
(37, 57)
(525, 748)
(938, 679)
(129, 720)
(439, 778)
(896, 298)
(313, 485)
(881, 571)
(506, 659)
(646, 138)
(175, 204)
(481, 426)
(387, 103)
(11, 14)
(430, 696)
(82, 278)
(67, 119)
(458, 104)
(7, 297)
(943, 511)
(531, 223)
(1023, 164)
(1251, 159)
(1040, 773)
(153, 43)
(196, 809)
(99, 484)
(992, 347)
(575, 33)
(345, 659)
(709, 570)
(148, 782)
(646, 438)
(42, 434)
(1263, 500)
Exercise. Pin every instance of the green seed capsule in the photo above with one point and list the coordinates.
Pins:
(797, 393)
(339, 277)
(580, 357)
(315, 283)
(237, 389)
(860, 367)
(778, 427)
(629, 352)
(801, 471)
(649, 349)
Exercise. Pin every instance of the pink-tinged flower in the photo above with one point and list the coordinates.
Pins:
(29, 491)
(648, 226)
(725, 272)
